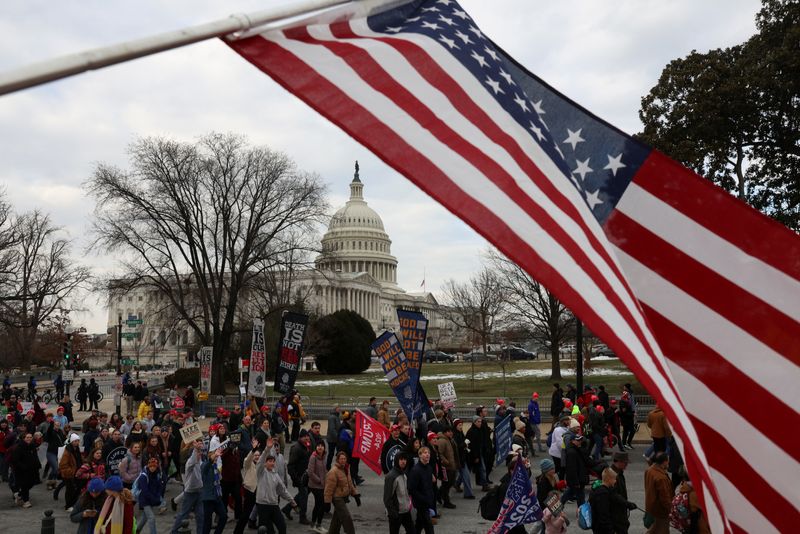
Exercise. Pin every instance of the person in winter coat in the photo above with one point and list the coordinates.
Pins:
(55, 438)
(93, 394)
(534, 420)
(93, 467)
(383, 414)
(556, 402)
(88, 506)
(448, 459)
(626, 419)
(232, 478)
(658, 494)
(600, 501)
(462, 478)
(316, 484)
(396, 498)
(620, 505)
(577, 464)
(26, 465)
(83, 395)
(299, 456)
(212, 490)
(476, 455)
(192, 489)
(659, 428)
(339, 488)
(270, 489)
(420, 487)
(118, 511)
(698, 524)
(67, 467)
(518, 437)
(332, 435)
(131, 466)
(151, 493)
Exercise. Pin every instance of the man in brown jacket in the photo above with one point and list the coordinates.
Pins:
(659, 429)
(658, 493)
(448, 458)
(339, 487)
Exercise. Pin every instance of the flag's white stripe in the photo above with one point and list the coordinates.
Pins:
(745, 352)
(770, 461)
(711, 511)
(774, 287)
(339, 73)
(739, 509)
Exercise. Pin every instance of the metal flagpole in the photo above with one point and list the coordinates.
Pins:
(64, 66)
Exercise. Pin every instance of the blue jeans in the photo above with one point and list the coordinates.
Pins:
(191, 501)
(463, 476)
(597, 439)
(52, 460)
(148, 518)
(480, 474)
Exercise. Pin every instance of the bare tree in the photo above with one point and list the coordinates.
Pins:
(533, 308)
(476, 305)
(39, 281)
(199, 222)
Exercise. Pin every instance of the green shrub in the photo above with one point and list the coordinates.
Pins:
(341, 343)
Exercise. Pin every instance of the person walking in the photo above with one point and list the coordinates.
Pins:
(151, 492)
(658, 494)
(396, 499)
(117, 516)
(269, 491)
(232, 478)
(55, 439)
(299, 456)
(211, 493)
(448, 460)
(26, 465)
(463, 457)
(338, 488)
(249, 485)
(316, 485)
(192, 488)
(476, 454)
(534, 420)
(600, 502)
(659, 429)
(420, 487)
(620, 505)
(89, 506)
(131, 466)
(67, 467)
(332, 434)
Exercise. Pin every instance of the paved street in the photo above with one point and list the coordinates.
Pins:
(370, 517)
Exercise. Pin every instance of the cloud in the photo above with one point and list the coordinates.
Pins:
(604, 55)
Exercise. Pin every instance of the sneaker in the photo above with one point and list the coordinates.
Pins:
(320, 530)
(27, 504)
(68, 510)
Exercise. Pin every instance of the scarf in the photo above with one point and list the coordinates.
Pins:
(111, 519)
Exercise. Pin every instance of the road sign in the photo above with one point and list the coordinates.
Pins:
(134, 322)
(128, 362)
(67, 375)
(131, 335)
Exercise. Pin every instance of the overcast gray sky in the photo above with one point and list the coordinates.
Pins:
(604, 55)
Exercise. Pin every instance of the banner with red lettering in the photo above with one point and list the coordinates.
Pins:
(369, 440)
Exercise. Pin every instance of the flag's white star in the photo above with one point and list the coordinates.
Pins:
(507, 76)
(394, 29)
(556, 147)
(521, 102)
(593, 199)
(546, 127)
(538, 131)
(494, 84)
(583, 168)
(460, 14)
(479, 58)
(490, 52)
(574, 138)
(614, 164)
(475, 30)
(430, 9)
(449, 42)
(537, 107)
(413, 19)
(463, 36)
(446, 20)
(431, 25)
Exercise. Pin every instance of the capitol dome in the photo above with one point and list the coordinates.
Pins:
(356, 241)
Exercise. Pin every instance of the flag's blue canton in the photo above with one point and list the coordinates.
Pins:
(599, 160)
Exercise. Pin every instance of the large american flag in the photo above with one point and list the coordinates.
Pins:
(697, 293)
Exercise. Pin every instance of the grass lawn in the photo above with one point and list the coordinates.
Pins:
(522, 378)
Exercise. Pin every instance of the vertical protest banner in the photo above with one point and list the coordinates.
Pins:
(413, 331)
(502, 440)
(290, 349)
(258, 362)
(447, 394)
(393, 360)
(369, 439)
(205, 356)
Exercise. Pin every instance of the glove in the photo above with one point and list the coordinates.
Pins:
(632, 506)
(358, 499)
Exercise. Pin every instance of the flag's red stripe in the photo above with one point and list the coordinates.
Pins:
(702, 201)
(327, 99)
(737, 390)
(736, 468)
(751, 314)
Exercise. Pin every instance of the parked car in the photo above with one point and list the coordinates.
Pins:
(479, 357)
(603, 350)
(431, 356)
(517, 353)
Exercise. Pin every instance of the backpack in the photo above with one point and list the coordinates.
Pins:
(136, 489)
(679, 516)
(491, 503)
(549, 440)
(585, 516)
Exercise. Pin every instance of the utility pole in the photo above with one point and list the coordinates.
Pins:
(119, 346)
(579, 355)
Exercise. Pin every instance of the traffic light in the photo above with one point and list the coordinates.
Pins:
(66, 350)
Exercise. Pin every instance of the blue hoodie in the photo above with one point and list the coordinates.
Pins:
(152, 489)
(533, 412)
